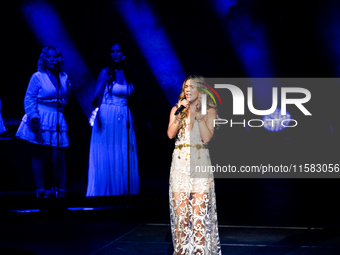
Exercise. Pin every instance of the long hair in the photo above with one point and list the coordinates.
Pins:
(42, 62)
(198, 82)
(126, 66)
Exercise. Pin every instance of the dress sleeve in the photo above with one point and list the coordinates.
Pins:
(30, 102)
(68, 91)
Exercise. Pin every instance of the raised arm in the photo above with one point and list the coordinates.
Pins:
(173, 121)
(206, 125)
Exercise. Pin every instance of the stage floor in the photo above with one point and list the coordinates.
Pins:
(261, 217)
(132, 231)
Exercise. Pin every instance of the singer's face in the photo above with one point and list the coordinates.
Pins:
(191, 92)
(116, 53)
(51, 59)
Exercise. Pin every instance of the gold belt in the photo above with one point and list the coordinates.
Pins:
(197, 146)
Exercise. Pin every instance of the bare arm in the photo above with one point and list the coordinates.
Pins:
(103, 78)
(206, 125)
(173, 123)
(68, 91)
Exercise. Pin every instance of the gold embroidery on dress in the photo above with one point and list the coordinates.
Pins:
(192, 198)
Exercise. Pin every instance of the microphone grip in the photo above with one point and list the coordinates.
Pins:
(179, 109)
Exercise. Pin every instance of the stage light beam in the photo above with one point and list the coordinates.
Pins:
(248, 39)
(150, 35)
(44, 22)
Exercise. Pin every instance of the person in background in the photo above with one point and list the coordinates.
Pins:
(113, 148)
(43, 124)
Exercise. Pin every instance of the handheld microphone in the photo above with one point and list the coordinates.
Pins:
(179, 109)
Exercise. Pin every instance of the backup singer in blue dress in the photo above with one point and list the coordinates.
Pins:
(108, 160)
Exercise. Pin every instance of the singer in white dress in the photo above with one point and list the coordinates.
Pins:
(192, 196)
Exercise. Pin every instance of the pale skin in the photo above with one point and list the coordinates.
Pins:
(192, 100)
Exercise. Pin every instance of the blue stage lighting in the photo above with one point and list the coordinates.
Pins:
(247, 37)
(222, 7)
(248, 40)
(25, 211)
(155, 45)
(49, 30)
(273, 122)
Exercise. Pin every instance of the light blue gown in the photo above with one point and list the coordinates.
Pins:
(108, 160)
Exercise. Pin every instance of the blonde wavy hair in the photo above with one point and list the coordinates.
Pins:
(198, 81)
(42, 62)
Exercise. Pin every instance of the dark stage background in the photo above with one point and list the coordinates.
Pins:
(252, 39)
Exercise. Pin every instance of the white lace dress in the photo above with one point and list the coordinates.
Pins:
(108, 160)
(192, 200)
